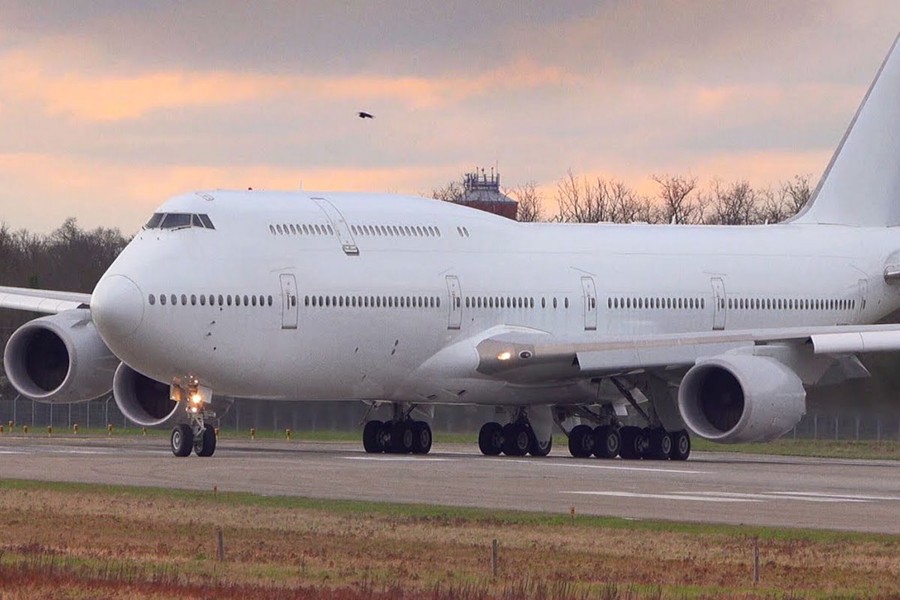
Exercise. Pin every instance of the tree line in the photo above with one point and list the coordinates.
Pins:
(679, 199)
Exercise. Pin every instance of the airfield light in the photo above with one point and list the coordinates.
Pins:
(506, 355)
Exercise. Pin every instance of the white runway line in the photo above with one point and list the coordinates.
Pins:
(769, 496)
(848, 497)
(12, 452)
(691, 498)
(398, 458)
(606, 467)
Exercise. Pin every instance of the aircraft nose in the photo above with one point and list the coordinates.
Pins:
(117, 307)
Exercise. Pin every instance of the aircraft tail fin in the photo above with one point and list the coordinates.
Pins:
(861, 185)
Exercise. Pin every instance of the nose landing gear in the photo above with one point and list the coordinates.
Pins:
(197, 435)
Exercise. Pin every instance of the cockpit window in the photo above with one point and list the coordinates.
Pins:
(178, 221)
(155, 220)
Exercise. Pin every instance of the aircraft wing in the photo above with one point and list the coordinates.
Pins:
(42, 301)
(532, 356)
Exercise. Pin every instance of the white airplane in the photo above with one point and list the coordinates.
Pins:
(413, 302)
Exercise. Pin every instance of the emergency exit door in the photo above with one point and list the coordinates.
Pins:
(289, 304)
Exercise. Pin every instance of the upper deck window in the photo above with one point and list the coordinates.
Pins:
(178, 221)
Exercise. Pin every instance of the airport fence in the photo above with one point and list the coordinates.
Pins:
(276, 416)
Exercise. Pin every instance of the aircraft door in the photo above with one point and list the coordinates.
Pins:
(289, 302)
(455, 297)
(589, 294)
(720, 304)
(863, 293)
(348, 243)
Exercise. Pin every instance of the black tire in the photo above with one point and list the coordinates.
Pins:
(182, 440)
(401, 437)
(659, 445)
(607, 442)
(372, 438)
(581, 441)
(490, 439)
(515, 439)
(537, 448)
(205, 445)
(681, 445)
(632, 442)
(421, 432)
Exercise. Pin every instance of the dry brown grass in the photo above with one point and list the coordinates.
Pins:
(84, 542)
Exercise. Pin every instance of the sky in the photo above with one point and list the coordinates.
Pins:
(108, 107)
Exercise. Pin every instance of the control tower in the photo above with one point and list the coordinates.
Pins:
(481, 190)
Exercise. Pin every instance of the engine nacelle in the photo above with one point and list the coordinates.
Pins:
(59, 359)
(736, 398)
(144, 401)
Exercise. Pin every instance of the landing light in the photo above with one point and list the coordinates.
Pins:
(504, 355)
(196, 398)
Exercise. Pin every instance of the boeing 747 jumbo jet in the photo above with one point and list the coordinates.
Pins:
(626, 336)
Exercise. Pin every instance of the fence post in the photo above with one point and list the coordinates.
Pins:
(835, 428)
(857, 427)
(878, 429)
(495, 557)
(815, 427)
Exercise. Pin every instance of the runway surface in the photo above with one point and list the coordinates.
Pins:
(859, 495)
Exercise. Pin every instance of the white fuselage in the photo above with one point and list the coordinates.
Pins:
(383, 292)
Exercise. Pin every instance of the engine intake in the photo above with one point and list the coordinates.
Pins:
(59, 359)
(145, 401)
(741, 398)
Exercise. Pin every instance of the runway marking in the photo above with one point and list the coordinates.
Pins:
(848, 497)
(398, 458)
(606, 467)
(677, 496)
(769, 496)
(12, 452)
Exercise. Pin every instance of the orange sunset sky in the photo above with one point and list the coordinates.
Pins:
(109, 107)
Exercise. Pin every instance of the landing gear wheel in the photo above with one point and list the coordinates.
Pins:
(373, 441)
(421, 432)
(182, 440)
(490, 439)
(515, 439)
(607, 442)
(660, 444)
(581, 441)
(205, 443)
(681, 445)
(537, 448)
(401, 437)
(632, 443)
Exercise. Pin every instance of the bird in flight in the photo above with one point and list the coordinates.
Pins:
(365, 115)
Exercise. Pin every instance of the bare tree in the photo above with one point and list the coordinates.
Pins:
(529, 200)
(798, 191)
(599, 201)
(677, 205)
(731, 204)
(454, 191)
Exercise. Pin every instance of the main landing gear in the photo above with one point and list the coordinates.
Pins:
(197, 435)
(609, 441)
(400, 435)
(609, 438)
(516, 438)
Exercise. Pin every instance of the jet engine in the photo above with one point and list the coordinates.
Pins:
(145, 401)
(736, 398)
(59, 359)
